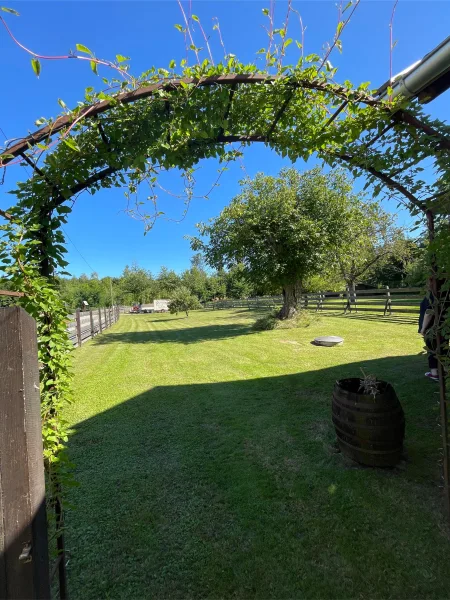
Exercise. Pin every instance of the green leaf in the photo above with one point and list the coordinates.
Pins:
(120, 58)
(10, 10)
(172, 64)
(339, 45)
(94, 66)
(84, 49)
(179, 27)
(339, 27)
(347, 6)
(287, 42)
(265, 11)
(195, 18)
(71, 143)
(64, 210)
(36, 66)
(62, 103)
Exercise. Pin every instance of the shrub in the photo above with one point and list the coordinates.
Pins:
(271, 321)
(183, 301)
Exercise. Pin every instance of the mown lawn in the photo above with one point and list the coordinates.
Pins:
(207, 465)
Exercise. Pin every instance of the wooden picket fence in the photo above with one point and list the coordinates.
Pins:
(83, 326)
(377, 300)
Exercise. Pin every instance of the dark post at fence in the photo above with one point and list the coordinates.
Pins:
(92, 323)
(78, 326)
(24, 565)
(106, 321)
(100, 320)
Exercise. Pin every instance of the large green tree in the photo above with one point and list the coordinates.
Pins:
(237, 282)
(168, 281)
(196, 278)
(137, 284)
(371, 241)
(282, 229)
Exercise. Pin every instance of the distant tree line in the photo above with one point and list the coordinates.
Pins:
(137, 285)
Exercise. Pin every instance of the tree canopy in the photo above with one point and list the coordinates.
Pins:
(370, 238)
(282, 229)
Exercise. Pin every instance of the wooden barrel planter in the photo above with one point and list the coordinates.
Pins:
(370, 429)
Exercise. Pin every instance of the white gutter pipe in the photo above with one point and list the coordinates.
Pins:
(421, 74)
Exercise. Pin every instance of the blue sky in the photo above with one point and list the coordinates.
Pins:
(107, 238)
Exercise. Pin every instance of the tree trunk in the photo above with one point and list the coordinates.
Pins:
(352, 290)
(291, 299)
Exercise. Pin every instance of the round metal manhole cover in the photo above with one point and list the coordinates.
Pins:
(328, 340)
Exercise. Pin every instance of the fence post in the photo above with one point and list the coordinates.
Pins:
(92, 323)
(388, 305)
(78, 326)
(24, 565)
(106, 320)
(100, 320)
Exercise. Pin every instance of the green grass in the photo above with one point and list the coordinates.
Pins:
(207, 465)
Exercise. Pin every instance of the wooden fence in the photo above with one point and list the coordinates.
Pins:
(83, 326)
(378, 300)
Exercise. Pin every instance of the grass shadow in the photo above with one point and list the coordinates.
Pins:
(187, 335)
(391, 319)
(235, 490)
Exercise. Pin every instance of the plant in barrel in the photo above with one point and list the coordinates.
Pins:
(369, 421)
